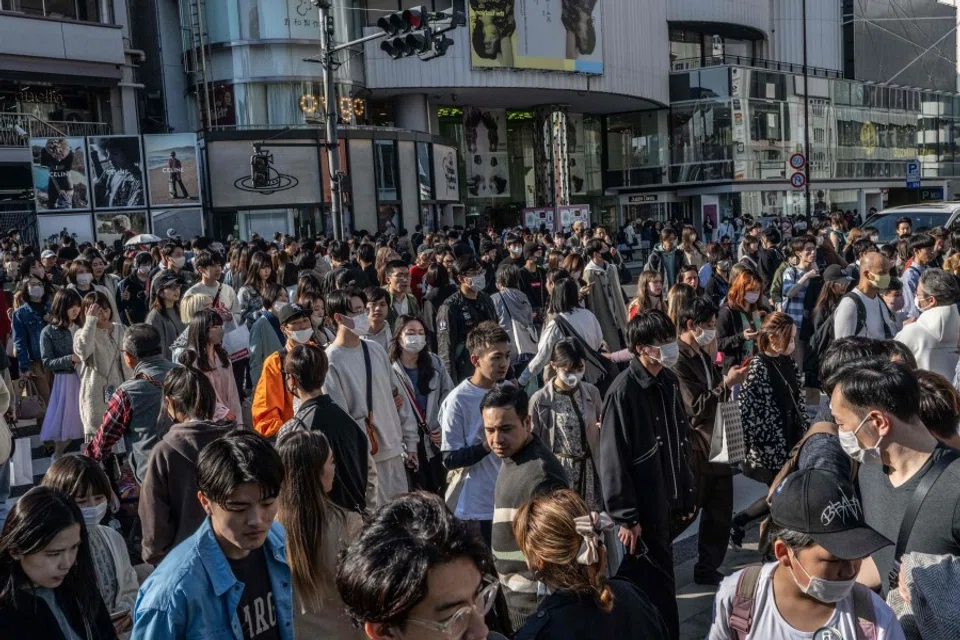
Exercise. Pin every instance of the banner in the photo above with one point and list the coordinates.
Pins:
(172, 169)
(446, 183)
(573, 213)
(116, 172)
(60, 174)
(536, 217)
(424, 171)
(551, 35)
(488, 173)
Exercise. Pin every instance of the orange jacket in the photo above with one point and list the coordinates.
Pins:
(272, 404)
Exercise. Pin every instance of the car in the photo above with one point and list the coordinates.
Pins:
(929, 215)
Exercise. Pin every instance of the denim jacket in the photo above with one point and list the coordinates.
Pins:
(27, 325)
(193, 594)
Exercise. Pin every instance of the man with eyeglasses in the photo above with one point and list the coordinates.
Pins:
(401, 302)
(418, 573)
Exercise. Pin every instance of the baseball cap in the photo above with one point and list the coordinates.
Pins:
(292, 312)
(486, 246)
(530, 249)
(825, 506)
(835, 274)
(425, 249)
(47, 254)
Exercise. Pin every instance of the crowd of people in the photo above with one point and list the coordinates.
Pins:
(477, 434)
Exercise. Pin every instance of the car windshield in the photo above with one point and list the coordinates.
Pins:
(886, 223)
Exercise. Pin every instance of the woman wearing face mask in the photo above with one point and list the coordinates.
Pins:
(893, 298)
(323, 334)
(426, 383)
(165, 310)
(933, 337)
(266, 338)
(102, 368)
(250, 295)
(835, 285)
(62, 422)
(28, 322)
(772, 408)
(47, 572)
(566, 416)
(84, 481)
(739, 319)
(718, 284)
(30, 266)
(205, 351)
(79, 276)
(649, 294)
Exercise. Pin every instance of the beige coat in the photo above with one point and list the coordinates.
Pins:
(101, 366)
(605, 300)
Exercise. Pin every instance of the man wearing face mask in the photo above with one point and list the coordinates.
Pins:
(862, 312)
(173, 260)
(820, 538)
(644, 471)
(908, 479)
(460, 314)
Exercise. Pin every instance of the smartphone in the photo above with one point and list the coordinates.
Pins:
(746, 362)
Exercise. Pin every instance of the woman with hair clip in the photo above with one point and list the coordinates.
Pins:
(102, 367)
(205, 352)
(48, 585)
(250, 295)
(426, 382)
(62, 422)
(562, 542)
(85, 482)
(169, 509)
(165, 310)
(317, 531)
(649, 294)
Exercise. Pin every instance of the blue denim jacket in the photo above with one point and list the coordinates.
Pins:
(27, 325)
(193, 594)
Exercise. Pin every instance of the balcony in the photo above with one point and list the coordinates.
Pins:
(16, 129)
(60, 46)
(690, 64)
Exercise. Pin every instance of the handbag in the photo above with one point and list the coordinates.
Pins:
(30, 406)
(727, 444)
(237, 343)
(368, 423)
(525, 338)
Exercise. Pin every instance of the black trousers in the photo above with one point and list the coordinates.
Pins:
(653, 574)
(716, 516)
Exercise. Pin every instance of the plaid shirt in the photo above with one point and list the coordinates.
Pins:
(793, 306)
(115, 423)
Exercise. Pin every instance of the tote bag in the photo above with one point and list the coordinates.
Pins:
(237, 343)
(727, 445)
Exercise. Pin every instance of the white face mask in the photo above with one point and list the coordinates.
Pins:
(84, 279)
(414, 344)
(515, 252)
(751, 297)
(826, 591)
(850, 444)
(303, 336)
(571, 378)
(706, 337)
(36, 293)
(669, 354)
(918, 303)
(478, 283)
(361, 325)
(144, 270)
(178, 262)
(93, 515)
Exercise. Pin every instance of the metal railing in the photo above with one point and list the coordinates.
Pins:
(16, 129)
(692, 64)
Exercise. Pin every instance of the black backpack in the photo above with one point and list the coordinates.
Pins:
(823, 335)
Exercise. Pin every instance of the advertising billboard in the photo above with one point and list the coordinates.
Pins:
(172, 169)
(446, 183)
(291, 174)
(60, 174)
(116, 172)
(177, 223)
(485, 130)
(550, 35)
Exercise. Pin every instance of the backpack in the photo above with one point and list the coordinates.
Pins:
(741, 609)
(824, 335)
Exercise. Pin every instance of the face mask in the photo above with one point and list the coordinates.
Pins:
(826, 591)
(302, 336)
(790, 348)
(724, 265)
(414, 344)
(606, 256)
(36, 293)
(918, 303)
(571, 378)
(178, 262)
(669, 354)
(706, 337)
(93, 515)
(751, 297)
(850, 444)
(515, 252)
(477, 283)
(881, 282)
(84, 279)
(361, 325)
(144, 270)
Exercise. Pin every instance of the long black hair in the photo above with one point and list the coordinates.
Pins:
(63, 301)
(197, 333)
(35, 520)
(565, 296)
(424, 360)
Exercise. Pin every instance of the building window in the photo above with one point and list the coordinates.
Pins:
(818, 135)
(86, 10)
(386, 161)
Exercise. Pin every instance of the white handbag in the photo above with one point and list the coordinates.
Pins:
(21, 464)
(727, 445)
(237, 343)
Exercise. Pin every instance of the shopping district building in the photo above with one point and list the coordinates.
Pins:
(143, 115)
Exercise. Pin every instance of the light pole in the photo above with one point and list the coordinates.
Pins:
(806, 113)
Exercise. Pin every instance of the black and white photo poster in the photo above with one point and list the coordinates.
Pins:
(116, 172)
(487, 160)
(446, 181)
(59, 174)
(172, 170)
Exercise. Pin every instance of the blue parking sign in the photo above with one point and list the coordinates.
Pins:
(913, 174)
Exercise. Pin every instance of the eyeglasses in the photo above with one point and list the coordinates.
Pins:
(456, 625)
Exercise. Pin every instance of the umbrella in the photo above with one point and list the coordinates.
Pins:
(143, 238)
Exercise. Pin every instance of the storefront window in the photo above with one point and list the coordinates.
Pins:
(636, 140)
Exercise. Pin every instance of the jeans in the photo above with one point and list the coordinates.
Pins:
(4, 491)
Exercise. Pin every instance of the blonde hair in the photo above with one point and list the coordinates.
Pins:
(193, 303)
(952, 264)
(547, 536)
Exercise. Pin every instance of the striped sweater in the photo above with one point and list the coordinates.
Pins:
(532, 471)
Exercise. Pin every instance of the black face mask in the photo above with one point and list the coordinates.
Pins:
(606, 256)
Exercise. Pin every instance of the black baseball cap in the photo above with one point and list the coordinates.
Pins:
(291, 312)
(825, 506)
(835, 274)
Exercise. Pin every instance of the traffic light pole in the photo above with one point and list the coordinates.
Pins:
(332, 118)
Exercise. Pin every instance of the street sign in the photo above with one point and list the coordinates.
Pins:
(913, 174)
(797, 161)
(798, 180)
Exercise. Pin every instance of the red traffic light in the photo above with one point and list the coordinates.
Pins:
(414, 18)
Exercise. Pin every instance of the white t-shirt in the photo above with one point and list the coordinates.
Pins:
(462, 426)
(768, 624)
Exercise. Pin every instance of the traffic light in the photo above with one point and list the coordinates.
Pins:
(408, 32)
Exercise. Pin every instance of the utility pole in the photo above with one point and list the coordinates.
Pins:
(806, 114)
(332, 118)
